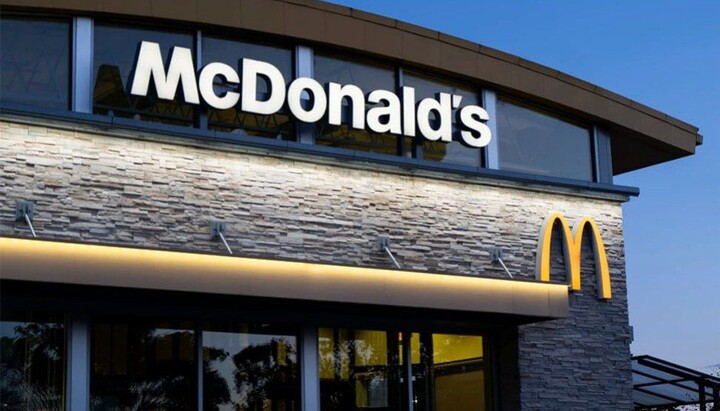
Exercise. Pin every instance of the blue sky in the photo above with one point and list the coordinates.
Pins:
(665, 54)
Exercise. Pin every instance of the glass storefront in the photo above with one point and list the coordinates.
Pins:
(363, 370)
(163, 365)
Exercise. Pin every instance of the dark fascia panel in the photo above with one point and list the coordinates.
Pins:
(37, 260)
(641, 135)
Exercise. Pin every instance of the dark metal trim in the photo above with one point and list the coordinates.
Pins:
(345, 155)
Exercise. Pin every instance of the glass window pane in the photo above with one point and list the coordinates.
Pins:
(455, 152)
(250, 367)
(450, 374)
(137, 365)
(367, 77)
(35, 62)
(536, 142)
(114, 60)
(459, 378)
(279, 125)
(359, 369)
(32, 360)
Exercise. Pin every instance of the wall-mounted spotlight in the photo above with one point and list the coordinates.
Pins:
(24, 211)
(217, 230)
(496, 256)
(383, 244)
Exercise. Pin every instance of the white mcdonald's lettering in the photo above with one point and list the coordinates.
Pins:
(432, 117)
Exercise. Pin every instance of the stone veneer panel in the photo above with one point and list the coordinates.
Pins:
(98, 188)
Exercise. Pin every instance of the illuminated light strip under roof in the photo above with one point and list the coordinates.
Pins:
(103, 265)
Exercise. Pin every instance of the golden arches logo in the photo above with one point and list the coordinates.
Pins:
(572, 247)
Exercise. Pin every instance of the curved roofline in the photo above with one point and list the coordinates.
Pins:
(641, 136)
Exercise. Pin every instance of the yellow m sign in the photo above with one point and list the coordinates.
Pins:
(572, 247)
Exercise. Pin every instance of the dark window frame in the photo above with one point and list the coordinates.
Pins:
(195, 132)
(242, 36)
(367, 61)
(562, 116)
(71, 52)
(454, 81)
(194, 122)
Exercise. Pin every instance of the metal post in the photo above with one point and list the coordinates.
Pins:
(387, 250)
(304, 64)
(309, 364)
(492, 151)
(407, 355)
(222, 237)
(82, 65)
(200, 367)
(78, 364)
(603, 156)
(29, 223)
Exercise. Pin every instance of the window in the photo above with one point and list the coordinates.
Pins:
(250, 367)
(457, 372)
(362, 369)
(114, 60)
(359, 369)
(35, 56)
(143, 365)
(279, 125)
(139, 364)
(455, 152)
(368, 78)
(537, 142)
(32, 360)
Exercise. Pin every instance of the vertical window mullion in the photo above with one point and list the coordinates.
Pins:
(200, 366)
(407, 356)
(602, 156)
(202, 115)
(310, 370)
(82, 64)
(78, 364)
(492, 150)
(417, 147)
(304, 68)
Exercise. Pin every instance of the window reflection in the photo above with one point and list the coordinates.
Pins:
(448, 372)
(35, 56)
(32, 361)
(250, 367)
(536, 142)
(142, 366)
(367, 77)
(279, 125)
(457, 369)
(359, 369)
(114, 60)
(455, 152)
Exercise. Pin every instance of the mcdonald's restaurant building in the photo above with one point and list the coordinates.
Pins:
(291, 205)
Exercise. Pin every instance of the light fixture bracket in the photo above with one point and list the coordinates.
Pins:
(24, 208)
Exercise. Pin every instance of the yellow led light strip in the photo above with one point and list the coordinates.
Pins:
(51, 261)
